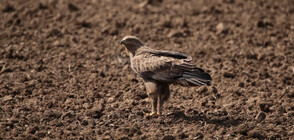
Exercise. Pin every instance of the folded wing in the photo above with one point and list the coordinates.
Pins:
(169, 67)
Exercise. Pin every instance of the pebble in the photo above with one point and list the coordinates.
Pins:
(175, 33)
(260, 116)
(7, 98)
(168, 137)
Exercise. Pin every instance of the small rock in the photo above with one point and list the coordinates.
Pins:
(168, 137)
(126, 67)
(265, 107)
(175, 33)
(7, 98)
(229, 75)
(274, 137)
(8, 8)
(183, 135)
(220, 28)
(109, 30)
(32, 130)
(143, 4)
(260, 116)
(113, 115)
(178, 22)
(149, 2)
(46, 138)
(199, 136)
(290, 92)
(42, 6)
(68, 115)
(282, 110)
(99, 106)
(243, 129)
(177, 114)
(56, 43)
(72, 7)
(111, 99)
(240, 137)
(68, 101)
(290, 113)
(221, 131)
(257, 134)
(94, 20)
(107, 137)
(132, 117)
(95, 114)
(86, 105)
(115, 105)
(263, 24)
(241, 84)
(41, 134)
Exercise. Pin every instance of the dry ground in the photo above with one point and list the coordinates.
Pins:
(64, 75)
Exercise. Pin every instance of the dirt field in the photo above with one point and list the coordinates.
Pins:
(63, 73)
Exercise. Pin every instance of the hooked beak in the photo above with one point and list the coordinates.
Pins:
(122, 42)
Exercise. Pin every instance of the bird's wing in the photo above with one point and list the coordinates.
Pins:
(168, 66)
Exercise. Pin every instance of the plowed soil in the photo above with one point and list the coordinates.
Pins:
(64, 75)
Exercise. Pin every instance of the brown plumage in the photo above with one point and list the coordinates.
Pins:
(160, 68)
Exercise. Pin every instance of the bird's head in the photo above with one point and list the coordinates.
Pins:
(131, 43)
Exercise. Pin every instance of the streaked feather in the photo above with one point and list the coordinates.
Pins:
(168, 67)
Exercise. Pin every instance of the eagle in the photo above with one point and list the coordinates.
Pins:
(159, 69)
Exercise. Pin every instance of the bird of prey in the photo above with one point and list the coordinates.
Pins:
(159, 69)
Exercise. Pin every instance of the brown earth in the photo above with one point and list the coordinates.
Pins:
(63, 73)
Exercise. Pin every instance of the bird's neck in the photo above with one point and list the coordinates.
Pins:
(131, 55)
(133, 49)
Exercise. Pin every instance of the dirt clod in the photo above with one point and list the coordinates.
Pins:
(265, 107)
(261, 116)
(168, 137)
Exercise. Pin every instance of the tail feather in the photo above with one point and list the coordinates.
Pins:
(202, 75)
(195, 82)
(194, 79)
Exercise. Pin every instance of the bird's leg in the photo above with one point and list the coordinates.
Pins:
(160, 105)
(154, 107)
(163, 97)
(152, 92)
